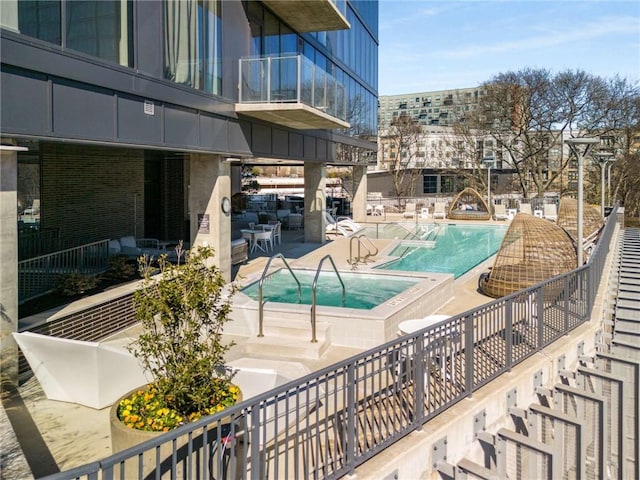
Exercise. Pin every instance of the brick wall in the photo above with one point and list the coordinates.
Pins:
(89, 192)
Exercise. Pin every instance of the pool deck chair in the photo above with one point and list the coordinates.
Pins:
(409, 210)
(526, 208)
(440, 210)
(500, 212)
(550, 212)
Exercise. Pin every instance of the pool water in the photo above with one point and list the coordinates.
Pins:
(363, 291)
(452, 249)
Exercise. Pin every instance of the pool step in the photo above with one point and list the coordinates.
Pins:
(290, 339)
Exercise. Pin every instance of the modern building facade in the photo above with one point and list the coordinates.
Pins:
(136, 117)
(442, 107)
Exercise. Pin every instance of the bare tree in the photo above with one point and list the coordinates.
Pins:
(405, 167)
(531, 111)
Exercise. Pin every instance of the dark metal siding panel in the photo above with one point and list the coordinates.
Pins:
(261, 139)
(214, 133)
(239, 135)
(280, 142)
(181, 127)
(23, 100)
(136, 126)
(296, 145)
(321, 149)
(83, 111)
(309, 148)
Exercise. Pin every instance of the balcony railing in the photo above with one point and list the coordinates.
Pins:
(291, 90)
(40, 275)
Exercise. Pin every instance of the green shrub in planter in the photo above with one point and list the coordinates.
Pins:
(183, 311)
(75, 283)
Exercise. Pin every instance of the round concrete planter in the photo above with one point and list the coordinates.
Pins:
(123, 437)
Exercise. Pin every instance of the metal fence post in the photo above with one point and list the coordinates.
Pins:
(468, 354)
(508, 331)
(419, 370)
(351, 423)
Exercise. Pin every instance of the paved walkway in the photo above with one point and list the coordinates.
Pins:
(64, 435)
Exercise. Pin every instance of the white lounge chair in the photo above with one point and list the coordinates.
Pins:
(342, 225)
(526, 208)
(550, 212)
(500, 212)
(440, 210)
(409, 210)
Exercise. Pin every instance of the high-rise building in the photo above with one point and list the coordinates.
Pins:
(443, 107)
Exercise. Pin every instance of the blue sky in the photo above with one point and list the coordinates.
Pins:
(438, 45)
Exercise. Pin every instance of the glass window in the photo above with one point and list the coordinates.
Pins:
(35, 18)
(430, 184)
(99, 28)
(193, 43)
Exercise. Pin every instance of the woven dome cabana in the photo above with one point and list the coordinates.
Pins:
(532, 250)
(469, 205)
(592, 220)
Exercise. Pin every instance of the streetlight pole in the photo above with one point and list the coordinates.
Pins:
(603, 158)
(609, 183)
(489, 161)
(575, 145)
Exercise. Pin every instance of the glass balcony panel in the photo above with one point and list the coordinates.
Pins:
(306, 81)
(253, 80)
(320, 90)
(284, 78)
(293, 80)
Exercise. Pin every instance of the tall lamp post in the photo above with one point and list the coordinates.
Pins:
(603, 158)
(580, 148)
(609, 181)
(489, 161)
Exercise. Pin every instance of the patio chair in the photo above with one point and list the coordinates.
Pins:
(369, 209)
(440, 210)
(526, 208)
(500, 212)
(424, 212)
(409, 210)
(277, 234)
(550, 212)
(378, 211)
(264, 240)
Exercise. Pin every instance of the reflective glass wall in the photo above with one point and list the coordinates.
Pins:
(349, 56)
(99, 28)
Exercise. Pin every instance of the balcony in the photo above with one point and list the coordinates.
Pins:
(291, 91)
(311, 15)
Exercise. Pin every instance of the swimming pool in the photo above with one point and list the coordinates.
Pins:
(363, 291)
(450, 248)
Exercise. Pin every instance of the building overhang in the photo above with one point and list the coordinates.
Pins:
(309, 15)
(294, 115)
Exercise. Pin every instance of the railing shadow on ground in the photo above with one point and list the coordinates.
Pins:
(326, 424)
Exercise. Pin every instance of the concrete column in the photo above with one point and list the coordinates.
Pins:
(9, 270)
(209, 183)
(359, 203)
(315, 202)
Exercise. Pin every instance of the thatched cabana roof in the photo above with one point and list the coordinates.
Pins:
(532, 250)
(592, 220)
(469, 205)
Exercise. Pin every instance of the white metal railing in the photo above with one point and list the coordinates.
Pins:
(291, 79)
(40, 275)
